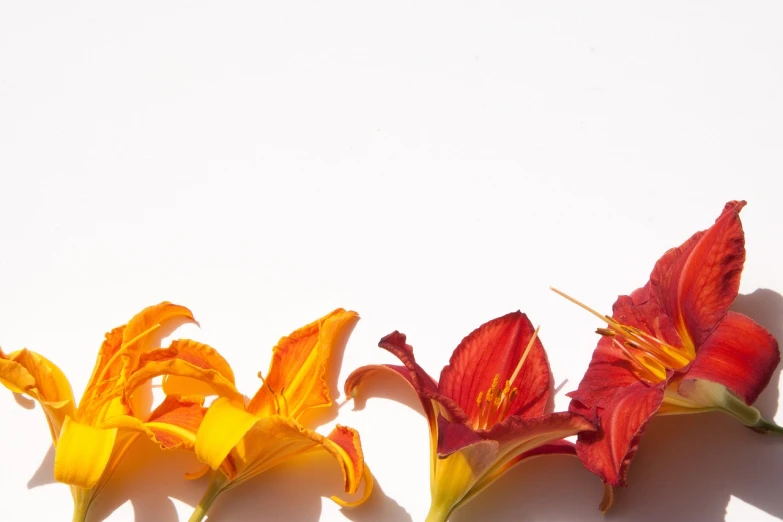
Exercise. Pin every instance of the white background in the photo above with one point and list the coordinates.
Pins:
(431, 165)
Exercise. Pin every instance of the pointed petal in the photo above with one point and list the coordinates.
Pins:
(453, 436)
(608, 452)
(299, 365)
(34, 375)
(83, 453)
(697, 282)
(495, 349)
(740, 354)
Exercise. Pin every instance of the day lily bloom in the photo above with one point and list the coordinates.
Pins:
(674, 347)
(241, 441)
(487, 413)
(91, 439)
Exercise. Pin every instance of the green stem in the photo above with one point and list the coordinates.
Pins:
(82, 498)
(763, 426)
(216, 486)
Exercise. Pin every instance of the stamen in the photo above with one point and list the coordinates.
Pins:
(478, 400)
(524, 356)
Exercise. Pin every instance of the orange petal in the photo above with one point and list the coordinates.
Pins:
(202, 356)
(119, 355)
(34, 375)
(297, 379)
(187, 359)
(172, 425)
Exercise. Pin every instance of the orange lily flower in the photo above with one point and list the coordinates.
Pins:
(487, 413)
(241, 441)
(674, 347)
(91, 439)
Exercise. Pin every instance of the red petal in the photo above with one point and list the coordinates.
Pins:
(697, 282)
(740, 354)
(608, 452)
(609, 373)
(453, 436)
(495, 348)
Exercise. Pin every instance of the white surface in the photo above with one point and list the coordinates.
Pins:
(430, 165)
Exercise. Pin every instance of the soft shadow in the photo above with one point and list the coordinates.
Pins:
(45, 473)
(694, 464)
(547, 488)
(147, 477)
(766, 308)
(289, 491)
(25, 402)
(319, 416)
(387, 385)
(378, 507)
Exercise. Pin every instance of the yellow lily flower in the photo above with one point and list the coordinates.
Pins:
(90, 440)
(241, 441)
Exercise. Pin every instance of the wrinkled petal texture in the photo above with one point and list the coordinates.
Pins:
(299, 365)
(190, 360)
(32, 374)
(740, 355)
(697, 282)
(622, 421)
(495, 348)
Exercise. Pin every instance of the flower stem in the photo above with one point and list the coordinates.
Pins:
(437, 514)
(82, 498)
(216, 486)
(763, 426)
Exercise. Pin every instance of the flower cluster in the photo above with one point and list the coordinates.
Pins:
(670, 347)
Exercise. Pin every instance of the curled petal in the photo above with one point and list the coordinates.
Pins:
(34, 375)
(697, 282)
(83, 453)
(425, 386)
(201, 356)
(608, 452)
(299, 366)
(740, 354)
(185, 359)
(496, 349)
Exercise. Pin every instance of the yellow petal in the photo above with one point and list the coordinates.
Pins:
(457, 474)
(299, 366)
(222, 429)
(34, 375)
(83, 453)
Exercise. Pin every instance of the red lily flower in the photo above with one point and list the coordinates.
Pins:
(487, 412)
(673, 347)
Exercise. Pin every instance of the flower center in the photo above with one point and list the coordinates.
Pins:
(493, 405)
(650, 357)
